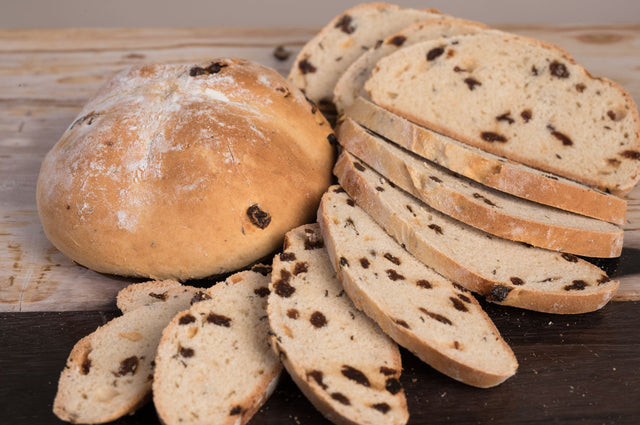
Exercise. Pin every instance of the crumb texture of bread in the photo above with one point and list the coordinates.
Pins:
(438, 320)
(486, 168)
(340, 359)
(492, 211)
(182, 171)
(109, 372)
(214, 363)
(503, 271)
(327, 55)
(523, 99)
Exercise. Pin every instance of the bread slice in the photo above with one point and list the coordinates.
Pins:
(109, 372)
(214, 363)
(488, 169)
(436, 319)
(522, 99)
(327, 55)
(476, 205)
(155, 291)
(351, 84)
(505, 272)
(340, 359)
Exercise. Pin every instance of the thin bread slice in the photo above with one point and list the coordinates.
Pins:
(351, 84)
(214, 363)
(489, 210)
(109, 372)
(340, 359)
(523, 99)
(488, 169)
(505, 272)
(327, 55)
(436, 319)
(154, 291)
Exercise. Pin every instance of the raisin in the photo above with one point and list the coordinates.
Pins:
(364, 263)
(394, 260)
(306, 67)
(472, 83)
(629, 154)
(506, 117)
(355, 375)
(516, 281)
(219, 320)
(526, 115)
(213, 68)
(489, 136)
(440, 318)
(423, 283)
(380, 188)
(569, 257)
(345, 24)
(381, 407)
(332, 140)
(576, 285)
(235, 410)
(603, 279)
(398, 40)
(464, 298)
(128, 365)
(313, 242)
(85, 366)
(262, 269)
(258, 217)
(341, 398)
(344, 262)
(559, 70)
(459, 287)
(393, 386)
(394, 275)
(402, 323)
(300, 267)
(351, 202)
(566, 141)
(434, 53)
(435, 228)
(498, 293)
(288, 256)
(262, 291)
(435, 179)
(534, 70)
(283, 289)
(281, 53)
(359, 166)
(387, 371)
(318, 320)
(200, 296)
(458, 305)
(186, 319)
(292, 313)
(580, 87)
(317, 376)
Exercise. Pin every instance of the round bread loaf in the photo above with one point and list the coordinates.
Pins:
(178, 171)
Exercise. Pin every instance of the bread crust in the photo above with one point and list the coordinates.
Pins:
(488, 169)
(185, 171)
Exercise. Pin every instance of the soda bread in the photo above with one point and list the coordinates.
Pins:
(522, 99)
(496, 268)
(494, 212)
(351, 84)
(327, 55)
(147, 293)
(436, 319)
(486, 168)
(109, 372)
(182, 171)
(214, 363)
(340, 359)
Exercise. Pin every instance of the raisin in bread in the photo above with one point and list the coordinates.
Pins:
(340, 359)
(436, 319)
(326, 56)
(109, 372)
(488, 169)
(146, 293)
(504, 271)
(479, 206)
(214, 363)
(522, 99)
(351, 84)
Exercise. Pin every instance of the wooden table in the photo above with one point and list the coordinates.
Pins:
(573, 369)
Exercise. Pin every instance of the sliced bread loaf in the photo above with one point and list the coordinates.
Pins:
(108, 373)
(439, 321)
(522, 99)
(479, 206)
(504, 271)
(155, 291)
(488, 169)
(351, 84)
(327, 55)
(340, 359)
(214, 363)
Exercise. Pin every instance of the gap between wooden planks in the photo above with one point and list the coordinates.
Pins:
(47, 75)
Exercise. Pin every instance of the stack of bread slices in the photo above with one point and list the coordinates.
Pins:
(473, 161)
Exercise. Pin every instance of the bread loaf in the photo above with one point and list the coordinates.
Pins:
(340, 359)
(182, 171)
(436, 319)
(522, 99)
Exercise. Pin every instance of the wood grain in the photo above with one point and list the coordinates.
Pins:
(47, 75)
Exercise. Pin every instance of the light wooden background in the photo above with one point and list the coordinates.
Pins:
(47, 75)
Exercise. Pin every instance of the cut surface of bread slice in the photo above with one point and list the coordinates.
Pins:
(327, 55)
(437, 320)
(154, 291)
(488, 169)
(214, 363)
(522, 99)
(494, 212)
(351, 84)
(340, 359)
(109, 372)
(505, 272)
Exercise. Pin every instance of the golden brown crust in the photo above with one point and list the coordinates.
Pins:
(185, 171)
